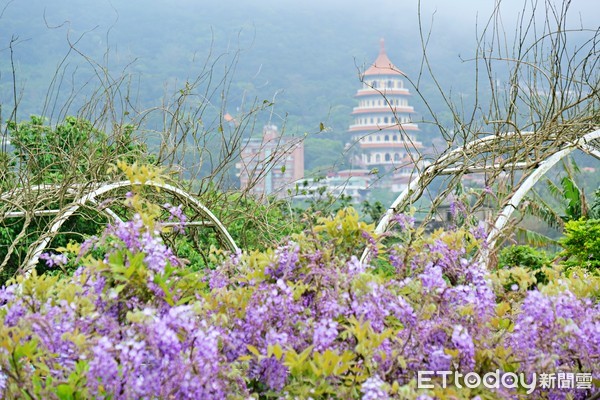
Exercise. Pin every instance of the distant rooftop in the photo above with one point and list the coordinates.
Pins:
(383, 65)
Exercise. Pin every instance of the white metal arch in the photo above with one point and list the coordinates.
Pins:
(583, 143)
(454, 162)
(37, 248)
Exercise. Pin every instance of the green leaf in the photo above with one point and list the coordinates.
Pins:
(119, 288)
(64, 392)
(253, 350)
(26, 349)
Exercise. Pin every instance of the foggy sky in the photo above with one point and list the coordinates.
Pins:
(136, 31)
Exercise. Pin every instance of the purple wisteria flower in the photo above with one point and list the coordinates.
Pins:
(103, 367)
(355, 266)
(14, 312)
(54, 260)
(463, 341)
(271, 372)
(176, 214)
(432, 278)
(3, 379)
(439, 360)
(558, 329)
(239, 330)
(286, 261)
(480, 233)
(404, 221)
(135, 237)
(325, 333)
(374, 389)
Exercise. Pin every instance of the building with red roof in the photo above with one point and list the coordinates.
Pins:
(382, 127)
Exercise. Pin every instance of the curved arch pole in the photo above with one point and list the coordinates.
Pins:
(504, 216)
(33, 255)
(532, 179)
(415, 183)
(220, 227)
(411, 191)
(404, 195)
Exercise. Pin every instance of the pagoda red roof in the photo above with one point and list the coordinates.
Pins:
(383, 65)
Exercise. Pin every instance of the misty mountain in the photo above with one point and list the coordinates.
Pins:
(304, 57)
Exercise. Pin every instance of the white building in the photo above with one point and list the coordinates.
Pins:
(382, 127)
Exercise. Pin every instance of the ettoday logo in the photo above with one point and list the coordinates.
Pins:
(508, 380)
(471, 380)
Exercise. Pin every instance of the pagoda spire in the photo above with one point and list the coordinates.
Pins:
(382, 64)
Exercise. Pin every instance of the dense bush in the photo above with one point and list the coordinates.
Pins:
(526, 257)
(72, 148)
(304, 320)
(71, 152)
(582, 244)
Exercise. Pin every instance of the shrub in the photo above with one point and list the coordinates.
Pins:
(306, 319)
(527, 257)
(582, 244)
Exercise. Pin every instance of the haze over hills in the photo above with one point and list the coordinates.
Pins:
(305, 57)
(308, 54)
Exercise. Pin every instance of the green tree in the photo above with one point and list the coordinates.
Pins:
(73, 148)
(322, 153)
(570, 194)
(582, 244)
(527, 257)
(73, 151)
(595, 207)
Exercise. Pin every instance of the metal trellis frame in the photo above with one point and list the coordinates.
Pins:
(83, 195)
(471, 158)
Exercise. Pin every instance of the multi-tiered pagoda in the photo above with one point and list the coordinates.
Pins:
(382, 128)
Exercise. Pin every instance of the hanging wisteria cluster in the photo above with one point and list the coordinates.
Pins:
(304, 320)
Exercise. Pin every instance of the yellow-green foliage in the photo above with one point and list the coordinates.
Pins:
(304, 320)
